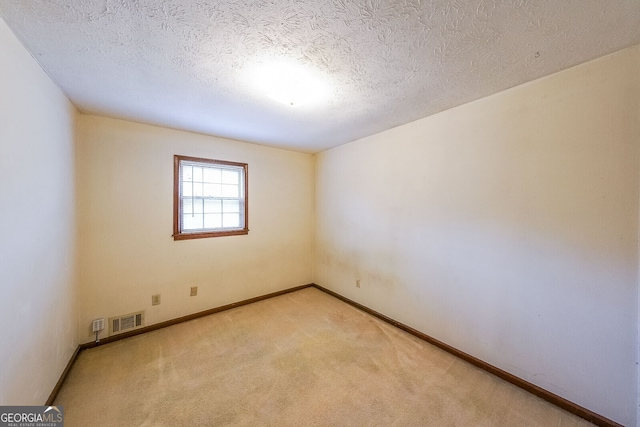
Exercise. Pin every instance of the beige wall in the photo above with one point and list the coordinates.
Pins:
(37, 224)
(125, 173)
(507, 228)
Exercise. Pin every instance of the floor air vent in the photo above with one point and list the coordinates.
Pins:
(126, 323)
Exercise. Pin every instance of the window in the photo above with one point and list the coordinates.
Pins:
(209, 198)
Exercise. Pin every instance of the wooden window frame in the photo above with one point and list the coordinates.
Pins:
(177, 233)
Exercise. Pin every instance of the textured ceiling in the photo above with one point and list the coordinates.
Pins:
(184, 64)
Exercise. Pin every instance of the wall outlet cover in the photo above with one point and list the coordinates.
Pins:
(98, 325)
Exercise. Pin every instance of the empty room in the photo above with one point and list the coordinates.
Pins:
(330, 213)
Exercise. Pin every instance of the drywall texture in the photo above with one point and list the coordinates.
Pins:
(506, 228)
(37, 225)
(186, 64)
(127, 254)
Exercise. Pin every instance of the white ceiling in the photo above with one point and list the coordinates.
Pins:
(183, 63)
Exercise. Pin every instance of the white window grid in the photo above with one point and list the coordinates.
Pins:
(211, 197)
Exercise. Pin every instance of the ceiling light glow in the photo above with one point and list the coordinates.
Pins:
(290, 83)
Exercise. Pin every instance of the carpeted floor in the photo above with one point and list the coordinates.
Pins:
(300, 359)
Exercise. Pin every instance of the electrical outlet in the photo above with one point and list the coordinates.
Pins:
(98, 325)
(155, 299)
(357, 283)
(194, 291)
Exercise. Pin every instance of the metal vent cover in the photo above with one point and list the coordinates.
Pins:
(126, 322)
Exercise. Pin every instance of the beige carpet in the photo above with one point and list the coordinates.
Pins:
(301, 359)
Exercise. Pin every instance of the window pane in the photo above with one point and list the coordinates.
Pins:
(231, 206)
(191, 222)
(230, 191)
(187, 173)
(187, 205)
(212, 190)
(197, 174)
(213, 221)
(230, 177)
(231, 220)
(212, 175)
(212, 206)
(197, 189)
(186, 189)
(197, 206)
